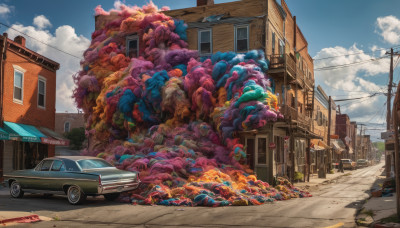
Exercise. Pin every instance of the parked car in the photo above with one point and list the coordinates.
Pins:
(75, 176)
(362, 163)
(348, 164)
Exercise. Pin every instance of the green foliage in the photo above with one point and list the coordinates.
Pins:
(298, 176)
(332, 171)
(76, 137)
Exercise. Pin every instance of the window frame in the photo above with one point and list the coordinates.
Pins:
(130, 38)
(21, 71)
(273, 41)
(69, 126)
(248, 37)
(281, 46)
(199, 41)
(44, 80)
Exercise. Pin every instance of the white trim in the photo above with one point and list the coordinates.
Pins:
(248, 37)
(21, 71)
(16, 67)
(129, 38)
(43, 79)
(199, 41)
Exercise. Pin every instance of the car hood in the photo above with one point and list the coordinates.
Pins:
(110, 174)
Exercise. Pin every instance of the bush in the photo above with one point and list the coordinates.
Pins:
(76, 137)
(298, 176)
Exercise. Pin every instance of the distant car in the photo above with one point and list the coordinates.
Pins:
(362, 163)
(75, 176)
(348, 164)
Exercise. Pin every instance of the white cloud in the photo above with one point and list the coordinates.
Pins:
(353, 81)
(66, 39)
(4, 10)
(41, 22)
(389, 29)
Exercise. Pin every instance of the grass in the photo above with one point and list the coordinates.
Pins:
(347, 174)
(56, 218)
(392, 218)
(368, 212)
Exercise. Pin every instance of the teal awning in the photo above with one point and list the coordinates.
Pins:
(27, 133)
(4, 135)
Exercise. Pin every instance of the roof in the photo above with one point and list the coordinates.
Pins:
(75, 158)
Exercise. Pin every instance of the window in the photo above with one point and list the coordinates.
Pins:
(58, 166)
(18, 92)
(46, 165)
(262, 151)
(205, 42)
(273, 43)
(94, 164)
(242, 38)
(132, 46)
(42, 92)
(281, 47)
(66, 127)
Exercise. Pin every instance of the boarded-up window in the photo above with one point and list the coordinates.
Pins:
(205, 42)
(242, 38)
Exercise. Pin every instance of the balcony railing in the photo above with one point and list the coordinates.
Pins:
(291, 113)
(278, 62)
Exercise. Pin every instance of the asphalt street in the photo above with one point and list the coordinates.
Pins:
(332, 204)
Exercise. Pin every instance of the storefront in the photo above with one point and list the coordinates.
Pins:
(339, 149)
(26, 145)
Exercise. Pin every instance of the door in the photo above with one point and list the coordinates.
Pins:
(40, 176)
(262, 158)
(250, 149)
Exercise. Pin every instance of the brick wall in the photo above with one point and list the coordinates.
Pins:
(28, 112)
(75, 120)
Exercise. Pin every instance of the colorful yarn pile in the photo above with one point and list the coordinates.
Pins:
(172, 116)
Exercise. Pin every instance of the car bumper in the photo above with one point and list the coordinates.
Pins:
(118, 187)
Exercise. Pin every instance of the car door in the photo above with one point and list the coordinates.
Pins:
(57, 175)
(40, 177)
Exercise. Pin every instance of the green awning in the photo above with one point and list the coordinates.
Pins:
(4, 135)
(27, 133)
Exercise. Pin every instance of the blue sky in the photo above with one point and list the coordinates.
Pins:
(361, 28)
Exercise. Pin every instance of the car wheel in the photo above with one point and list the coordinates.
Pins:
(16, 190)
(111, 196)
(75, 195)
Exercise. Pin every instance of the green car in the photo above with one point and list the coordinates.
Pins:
(75, 176)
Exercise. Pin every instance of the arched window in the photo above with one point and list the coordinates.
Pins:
(66, 126)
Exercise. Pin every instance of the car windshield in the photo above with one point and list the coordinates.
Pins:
(94, 164)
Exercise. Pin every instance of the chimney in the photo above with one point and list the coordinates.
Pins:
(205, 2)
(20, 40)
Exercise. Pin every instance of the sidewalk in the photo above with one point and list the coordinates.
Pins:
(9, 218)
(315, 181)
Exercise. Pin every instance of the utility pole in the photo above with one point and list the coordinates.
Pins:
(361, 141)
(396, 149)
(388, 157)
(329, 129)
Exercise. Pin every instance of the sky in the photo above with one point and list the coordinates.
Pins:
(338, 33)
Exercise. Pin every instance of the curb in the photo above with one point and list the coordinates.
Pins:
(24, 219)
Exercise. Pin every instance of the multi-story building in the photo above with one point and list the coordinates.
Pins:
(27, 105)
(320, 151)
(344, 131)
(266, 25)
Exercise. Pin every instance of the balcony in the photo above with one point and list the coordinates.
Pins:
(292, 114)
(278, 64)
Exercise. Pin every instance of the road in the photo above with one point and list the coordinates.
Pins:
(331, 204)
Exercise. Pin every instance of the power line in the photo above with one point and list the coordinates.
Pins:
(357, 53)
(357, 98)
(333, 67)
(40, 41)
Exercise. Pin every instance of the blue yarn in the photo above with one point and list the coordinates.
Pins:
(183, 68)
(126, 102)
(180, 29)
(222, 81)
(219, 70)
(124, 157)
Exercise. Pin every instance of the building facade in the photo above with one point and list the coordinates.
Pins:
(27, 102)
(265, 25)
(65, 122)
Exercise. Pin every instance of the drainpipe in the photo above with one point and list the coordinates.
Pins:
(2, 64)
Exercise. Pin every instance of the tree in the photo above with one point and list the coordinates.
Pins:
(76, 137)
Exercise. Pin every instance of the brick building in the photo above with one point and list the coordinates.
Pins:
(27, 105)
(65, 122)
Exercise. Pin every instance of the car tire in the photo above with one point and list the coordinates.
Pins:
(16, 190)
(75, 195)
(111, 196)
